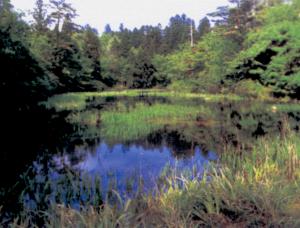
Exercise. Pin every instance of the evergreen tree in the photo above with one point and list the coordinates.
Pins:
(41, 20)
(137, 37)
(62, 15)
(177, 32)
(220, 17)
(203, 28)
(107, 29)
(152, 40)
(92, 50)
(241, 17)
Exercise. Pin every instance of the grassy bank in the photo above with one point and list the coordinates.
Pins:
(77, 101)
(249, 189)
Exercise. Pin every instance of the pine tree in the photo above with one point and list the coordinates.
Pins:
(107, 29)
(41, 20)
(203, 28)
(92, 50)
(177, 32)
(62, 15)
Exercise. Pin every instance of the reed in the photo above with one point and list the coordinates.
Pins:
(142, 118)
(248, 189)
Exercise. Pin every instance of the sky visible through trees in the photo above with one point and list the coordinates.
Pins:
(133, 13)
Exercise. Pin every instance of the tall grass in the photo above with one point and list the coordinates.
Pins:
(243, 189)
(135, 122)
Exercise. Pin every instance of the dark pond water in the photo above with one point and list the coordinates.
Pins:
(119, 144)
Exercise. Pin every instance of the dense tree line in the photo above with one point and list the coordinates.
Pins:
(61, 56)
(155, 56)
(203, 66)
(128, 56)
(253, 48)
(70, 58)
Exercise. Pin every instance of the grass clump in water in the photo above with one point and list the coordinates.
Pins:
(141, 120)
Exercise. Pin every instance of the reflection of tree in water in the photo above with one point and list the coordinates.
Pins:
(30, 134)
(243, 125)
(235, 125)
(100, 102)
(231, 124)
(295, 116)
(173, 139)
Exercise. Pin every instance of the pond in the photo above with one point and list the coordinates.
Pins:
(131, 144)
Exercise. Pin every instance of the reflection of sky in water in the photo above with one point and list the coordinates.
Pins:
(135, 161)
(118, 164)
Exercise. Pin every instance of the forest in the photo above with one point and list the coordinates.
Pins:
(250, 45)
(175, 86)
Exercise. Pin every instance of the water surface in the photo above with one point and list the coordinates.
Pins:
(128, 144)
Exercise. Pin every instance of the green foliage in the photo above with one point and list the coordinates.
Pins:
(213, 54)
(272, 52)
(133, 69)
(185, 85)
(177, 33)
(181, 68)
(22, 77)
(279, 13)
(219, 50)
(204, 64)
(41, 48)
(181, 64)
(204, 27)
(88, 43)
(252, 89)
(69, 54)
(12, 22)
(152, 56)
(133, 58)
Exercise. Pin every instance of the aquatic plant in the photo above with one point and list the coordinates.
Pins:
(257, 188)
(143, 119)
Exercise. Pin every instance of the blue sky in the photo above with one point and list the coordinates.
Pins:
(132, 13)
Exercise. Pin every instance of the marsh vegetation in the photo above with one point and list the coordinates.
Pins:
(143, 128)
(164, 160)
